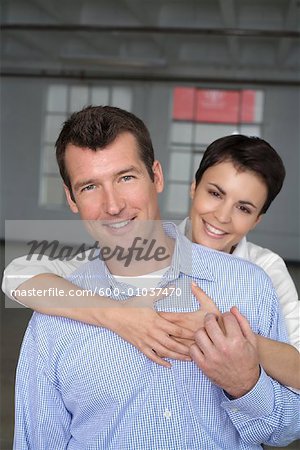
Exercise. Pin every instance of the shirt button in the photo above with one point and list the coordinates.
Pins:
(234, 410)
(167, 414)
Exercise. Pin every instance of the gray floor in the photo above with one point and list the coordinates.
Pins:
(14, 322)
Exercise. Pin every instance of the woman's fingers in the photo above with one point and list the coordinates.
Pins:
(206, 303)
(244, 325)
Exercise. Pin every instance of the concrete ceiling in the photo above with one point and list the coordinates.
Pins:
(234, 40)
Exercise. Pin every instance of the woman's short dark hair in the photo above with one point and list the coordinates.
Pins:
(95, 127)
(247, 153)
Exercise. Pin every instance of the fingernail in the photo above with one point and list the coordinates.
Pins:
(209, 315)
(194, 284)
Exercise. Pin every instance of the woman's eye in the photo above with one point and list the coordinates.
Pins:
(244, 209)
(214, 193)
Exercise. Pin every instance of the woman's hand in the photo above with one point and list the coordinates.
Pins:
(157, 335)
(194, 320)
(136, 321)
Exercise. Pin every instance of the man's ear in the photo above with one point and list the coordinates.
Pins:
(71, 202)
(192, 190)
(158, 176)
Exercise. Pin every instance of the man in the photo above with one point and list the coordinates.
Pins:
(79, 386)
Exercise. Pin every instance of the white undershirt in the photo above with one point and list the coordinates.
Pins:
(148, 281)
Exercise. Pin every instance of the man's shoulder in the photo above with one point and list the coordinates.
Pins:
(53, 335)
(222, 263)
(44, 327)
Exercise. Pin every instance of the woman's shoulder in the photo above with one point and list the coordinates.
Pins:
(263, 257)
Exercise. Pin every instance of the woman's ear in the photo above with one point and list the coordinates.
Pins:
(193, 190)
(258, 219)
(71, 202)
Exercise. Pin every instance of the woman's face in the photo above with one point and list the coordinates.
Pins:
(226, 206)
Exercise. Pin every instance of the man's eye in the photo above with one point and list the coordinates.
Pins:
(127, 178)
(90, 187)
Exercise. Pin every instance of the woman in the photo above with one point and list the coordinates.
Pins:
(237, 180)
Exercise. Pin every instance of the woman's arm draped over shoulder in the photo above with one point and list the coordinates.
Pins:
(141, 326)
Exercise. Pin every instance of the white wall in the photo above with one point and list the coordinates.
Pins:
(21, 128)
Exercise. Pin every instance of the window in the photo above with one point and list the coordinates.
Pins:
(61, 101)
(199, 117)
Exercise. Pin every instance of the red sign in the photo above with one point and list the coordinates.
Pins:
(248, 106)
(214, 105)
(218, 106)
(184, 103)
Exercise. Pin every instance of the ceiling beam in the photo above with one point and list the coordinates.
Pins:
(56, 14)
(231, 78)
(143, 17)
(116, 29)
(291, 22)
(29, 41)
(228, 14)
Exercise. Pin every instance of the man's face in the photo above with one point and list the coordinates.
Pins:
(112, 185)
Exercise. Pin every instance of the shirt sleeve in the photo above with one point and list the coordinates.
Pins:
(288, 298)
(21, 269)
(270, 412)
(41, 419)
(285, 288)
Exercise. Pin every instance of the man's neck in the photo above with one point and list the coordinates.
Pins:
(143, 256)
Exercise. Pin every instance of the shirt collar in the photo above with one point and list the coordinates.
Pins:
(188, 258)
(186, 228)
(241, 250)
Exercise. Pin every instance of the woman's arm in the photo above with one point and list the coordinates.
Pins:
(280, 360)
(50, 294)
(284, 286)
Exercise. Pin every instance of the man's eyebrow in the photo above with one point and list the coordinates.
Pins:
(241, 202)
(81, 183)
(130, 169)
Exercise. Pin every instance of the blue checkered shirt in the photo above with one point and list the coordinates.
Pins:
(83, 387)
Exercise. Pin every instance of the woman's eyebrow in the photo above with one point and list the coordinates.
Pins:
(242, 202)
(218, 187)
(245, 202)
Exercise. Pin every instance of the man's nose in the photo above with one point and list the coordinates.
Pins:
(114, 202)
